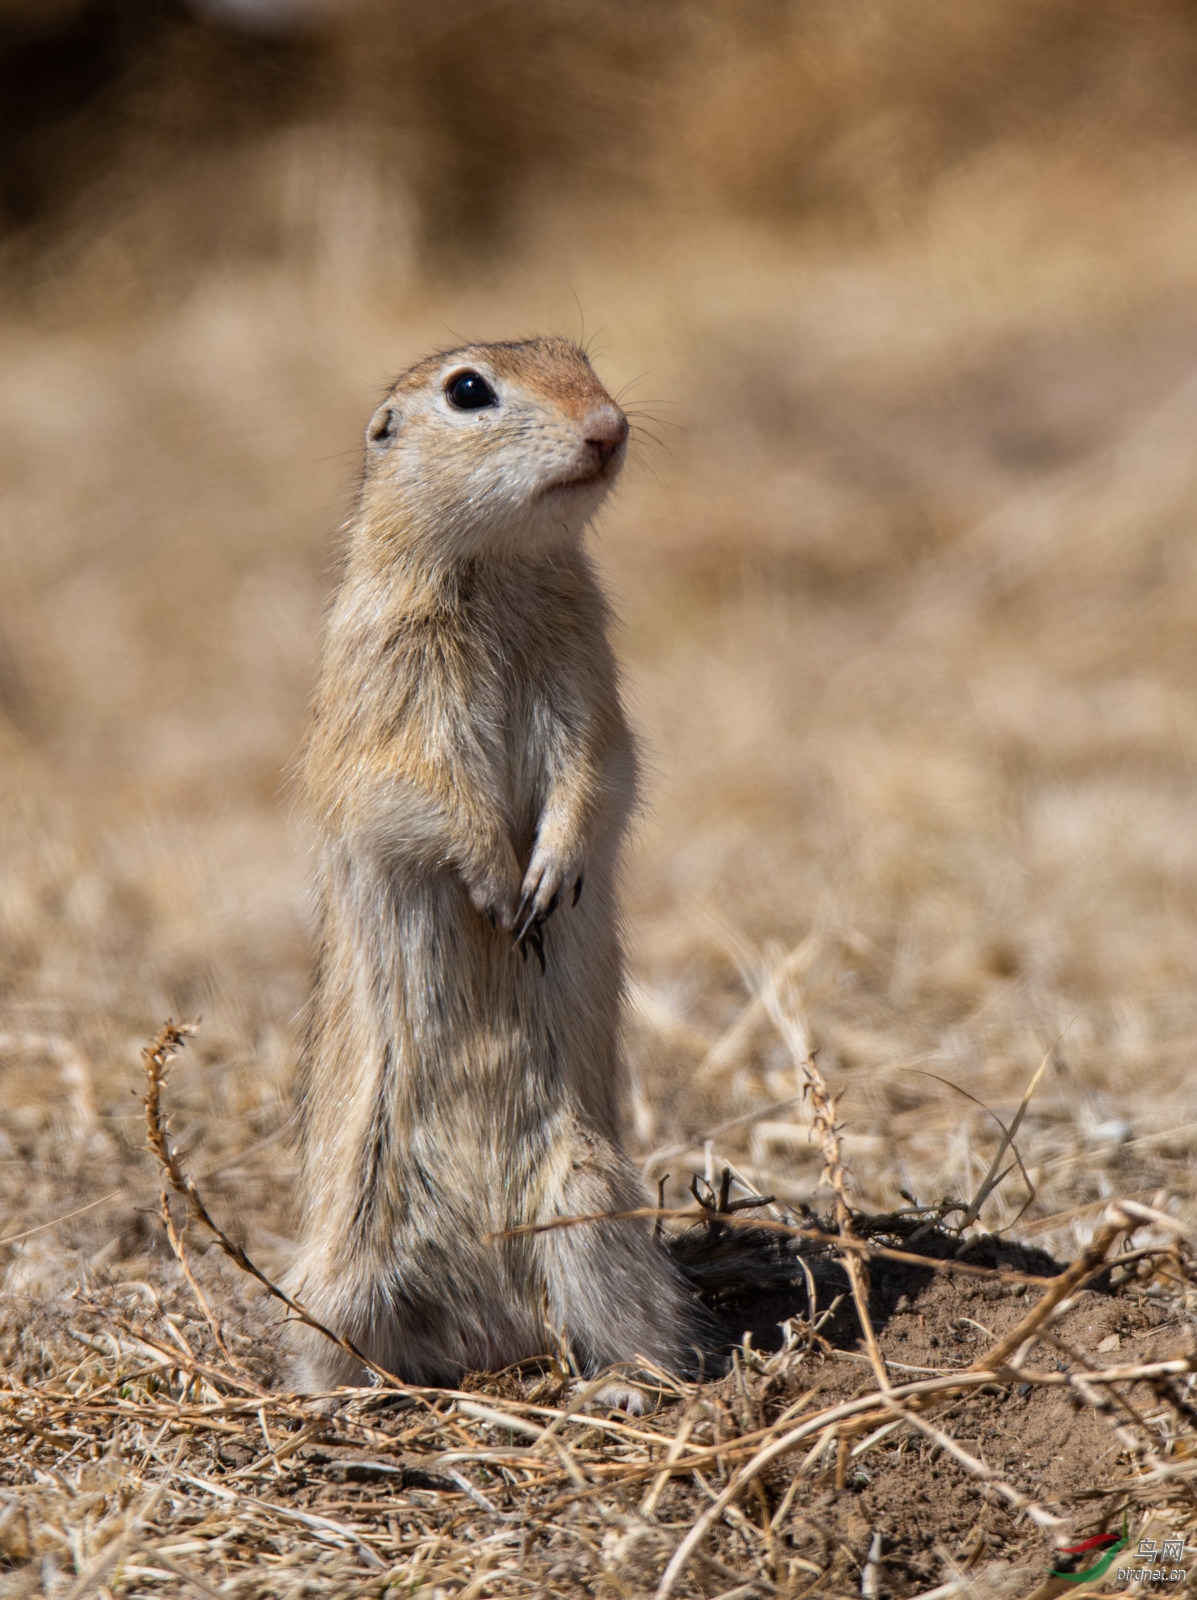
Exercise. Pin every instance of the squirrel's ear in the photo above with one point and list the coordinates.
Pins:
(384, 425)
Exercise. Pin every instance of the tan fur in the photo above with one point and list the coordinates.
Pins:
(468, 748)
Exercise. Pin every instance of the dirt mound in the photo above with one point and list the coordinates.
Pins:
(921, 1504)
(926, 1506)
(751, 1280)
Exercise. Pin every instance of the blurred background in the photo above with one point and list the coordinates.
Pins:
(901, 297)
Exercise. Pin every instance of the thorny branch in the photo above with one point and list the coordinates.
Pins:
(157, 1058)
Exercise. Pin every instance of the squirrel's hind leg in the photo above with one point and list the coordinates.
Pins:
(613, 1290)
(421, 1329)
(361, 1308)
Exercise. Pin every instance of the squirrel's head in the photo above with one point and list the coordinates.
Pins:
(493, 449)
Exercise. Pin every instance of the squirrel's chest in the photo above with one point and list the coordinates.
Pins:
(522, 727)
(523, 693)
(513, 732)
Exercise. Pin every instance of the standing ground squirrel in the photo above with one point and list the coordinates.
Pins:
(470, 770)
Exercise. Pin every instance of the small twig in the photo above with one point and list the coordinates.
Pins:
(790, 1230)
(995, 1174)
(1105, 1401)
(15, 1238)
(1149, 1216)
(1038, 1513)
(870, 1575)
(323, 1527)
(1089, 1262)
(678, 1443)
(826, 1134)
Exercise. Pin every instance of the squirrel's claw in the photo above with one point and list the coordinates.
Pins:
(526, 922)
(533, 913)
(545, 884)
(530, 937)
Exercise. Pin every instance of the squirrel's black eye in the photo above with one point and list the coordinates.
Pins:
(469, 391)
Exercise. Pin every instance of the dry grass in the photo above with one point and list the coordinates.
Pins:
(154, 1451)
(906, 575)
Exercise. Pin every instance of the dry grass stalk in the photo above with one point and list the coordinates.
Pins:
(157, 1058)
(995, 1174)
(846, 1243)
(176, 1244)
(826, 1136)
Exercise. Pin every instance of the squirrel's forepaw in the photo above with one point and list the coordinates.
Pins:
(496, 895)
(548, 878)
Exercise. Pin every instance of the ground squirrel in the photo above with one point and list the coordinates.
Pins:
(470, 771)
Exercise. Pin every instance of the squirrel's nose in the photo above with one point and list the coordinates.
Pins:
(606, 430)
